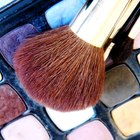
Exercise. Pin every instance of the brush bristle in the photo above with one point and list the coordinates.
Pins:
(60, 71)
(122, 51)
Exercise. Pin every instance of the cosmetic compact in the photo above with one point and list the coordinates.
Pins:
(115, 117)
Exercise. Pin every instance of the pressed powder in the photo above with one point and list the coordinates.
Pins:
(68, 120)
(11, 106)
(95, 130)
(127, 117)
(120, 84)
(11, 41)
(0, 76)
(26, 128)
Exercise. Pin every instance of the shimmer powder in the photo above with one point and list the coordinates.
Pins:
(0, 76)
(120, 84)
(68, 120)
(127, 117)
(138, 57)
(26, 128)
(11, 105)
(95, 130)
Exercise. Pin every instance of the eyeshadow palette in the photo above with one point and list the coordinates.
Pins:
(115, 117)
(108, 120)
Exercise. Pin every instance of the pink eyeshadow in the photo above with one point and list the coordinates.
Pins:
(91, 131)
(26, 128)
(11, 106)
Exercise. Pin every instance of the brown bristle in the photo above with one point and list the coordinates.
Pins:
(61, 71)
(121, 52)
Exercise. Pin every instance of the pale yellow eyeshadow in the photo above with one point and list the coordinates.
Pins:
(0, 76)
(138, 57)
(127, 117)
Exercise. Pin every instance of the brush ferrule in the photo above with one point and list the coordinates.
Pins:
(95, 22)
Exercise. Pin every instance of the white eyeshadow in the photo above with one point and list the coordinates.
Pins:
(68, 120)
(26, 128)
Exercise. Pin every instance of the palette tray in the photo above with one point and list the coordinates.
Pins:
(20, 12)
(21, 118)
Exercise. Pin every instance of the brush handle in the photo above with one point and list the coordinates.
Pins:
(63, 12)
(128, 25)
(122, 36)
(124, 16)
(97, 19)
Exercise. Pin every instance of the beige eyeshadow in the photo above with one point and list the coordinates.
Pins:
(127, 117)
(138, 57)
(94, 130)
(120, 84)
(26, 128)
(0, 76)
(11, 106)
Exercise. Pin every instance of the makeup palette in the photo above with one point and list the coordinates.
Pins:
(115, 117)
(14, 13)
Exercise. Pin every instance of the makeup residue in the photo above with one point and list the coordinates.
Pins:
(11, 105)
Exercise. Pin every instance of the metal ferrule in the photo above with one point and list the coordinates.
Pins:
(95, 22)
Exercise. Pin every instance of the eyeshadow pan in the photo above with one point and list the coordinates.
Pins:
(138, 57)
(26, 128)
(120, 84)
(11, 41)
(95, 130)
(11, 105)
(68, 120)
(0, 76)
(127, 117)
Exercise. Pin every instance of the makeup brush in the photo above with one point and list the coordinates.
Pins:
(124, 39)
(64, 68)
(122, 42)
